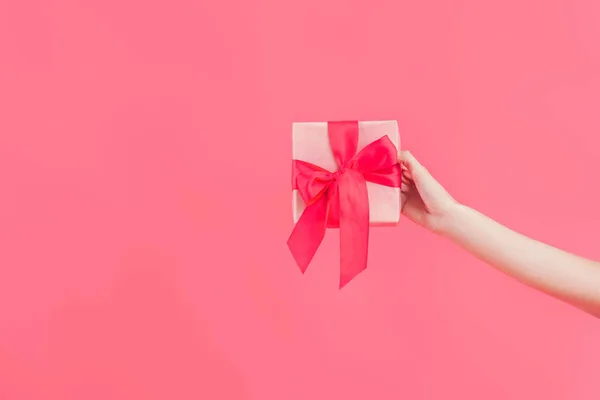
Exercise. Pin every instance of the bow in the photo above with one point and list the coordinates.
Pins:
(339, 199)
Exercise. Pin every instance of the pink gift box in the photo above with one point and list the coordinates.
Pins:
(310, 143)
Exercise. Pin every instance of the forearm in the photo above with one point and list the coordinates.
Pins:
(551, 270)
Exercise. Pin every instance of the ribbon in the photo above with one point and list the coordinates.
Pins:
(339, 199)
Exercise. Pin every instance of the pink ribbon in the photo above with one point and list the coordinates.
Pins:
(339, 199)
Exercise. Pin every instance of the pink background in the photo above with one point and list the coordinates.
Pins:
(137, 261)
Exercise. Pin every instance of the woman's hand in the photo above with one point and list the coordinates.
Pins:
(424, 200)
(560, 274)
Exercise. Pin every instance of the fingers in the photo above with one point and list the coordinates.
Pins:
(403, 198)
(419, 176)
(409, 161)
(412, 207)
(406, 186)
(416, 172)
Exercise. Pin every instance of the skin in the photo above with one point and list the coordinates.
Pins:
(565, 276)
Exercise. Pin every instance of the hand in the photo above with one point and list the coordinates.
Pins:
(424, 200)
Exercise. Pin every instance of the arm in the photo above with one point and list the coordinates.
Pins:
(565, 276)
(568, 277)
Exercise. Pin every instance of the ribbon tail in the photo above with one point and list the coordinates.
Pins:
(354, 225)
(308, 233)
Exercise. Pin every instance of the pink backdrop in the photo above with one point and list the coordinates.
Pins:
(136, 263)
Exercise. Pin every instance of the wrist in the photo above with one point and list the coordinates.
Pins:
(451, 219)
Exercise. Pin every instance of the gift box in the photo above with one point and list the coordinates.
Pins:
(310, 143)
(345, 175)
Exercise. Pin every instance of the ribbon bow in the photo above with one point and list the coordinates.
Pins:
(339, 199)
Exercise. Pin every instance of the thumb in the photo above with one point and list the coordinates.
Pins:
(418, 172)
(431, 191)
